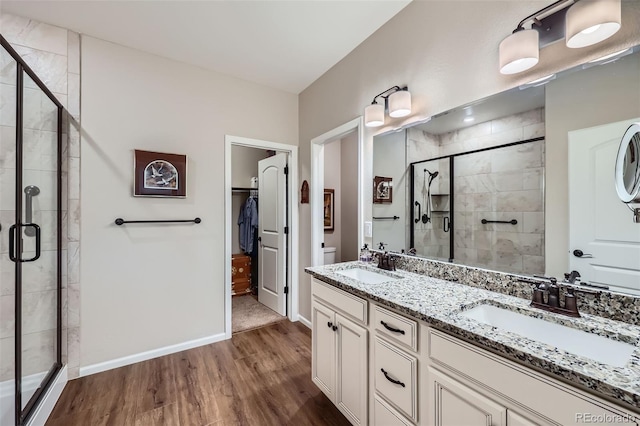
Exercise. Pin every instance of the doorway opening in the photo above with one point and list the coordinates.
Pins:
(260, 234)
(336, 164)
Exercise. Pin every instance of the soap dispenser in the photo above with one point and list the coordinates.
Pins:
(365, 255)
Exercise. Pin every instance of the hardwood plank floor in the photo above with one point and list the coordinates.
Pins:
(259, 377)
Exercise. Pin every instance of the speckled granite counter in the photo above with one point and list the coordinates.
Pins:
(440, 303)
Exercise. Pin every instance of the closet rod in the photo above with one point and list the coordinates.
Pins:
(120, 221)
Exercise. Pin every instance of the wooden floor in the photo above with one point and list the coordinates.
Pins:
(260, 377)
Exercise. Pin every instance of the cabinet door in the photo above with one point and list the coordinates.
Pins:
(455, 404)
(323, 347)
(351, 395)
(515, 419)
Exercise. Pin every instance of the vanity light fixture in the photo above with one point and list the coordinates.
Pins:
(397, 101)
(580, 22)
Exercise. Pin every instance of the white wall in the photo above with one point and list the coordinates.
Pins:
(332, 180)
(447, 53)
(349, 197)
(591, 97)
(389, 160)
(149, 286)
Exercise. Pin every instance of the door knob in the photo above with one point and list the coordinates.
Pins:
(580, 253)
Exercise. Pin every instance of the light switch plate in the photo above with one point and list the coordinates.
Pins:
(368, 229)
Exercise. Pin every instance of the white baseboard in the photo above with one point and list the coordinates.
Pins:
(44, 409)
(304, 321)
(143, 356)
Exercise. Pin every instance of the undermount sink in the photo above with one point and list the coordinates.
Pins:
(593, 346)
(366, 276)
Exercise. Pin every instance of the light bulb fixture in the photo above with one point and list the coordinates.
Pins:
(580, 22)
(591, 21)
(397, 101)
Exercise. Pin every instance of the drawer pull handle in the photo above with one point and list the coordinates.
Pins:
(395, 330)
(386, 375)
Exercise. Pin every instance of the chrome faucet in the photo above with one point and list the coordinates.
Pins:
(387, 261)
(552, 303)
(570, 277)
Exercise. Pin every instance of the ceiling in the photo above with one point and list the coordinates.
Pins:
(282, 44)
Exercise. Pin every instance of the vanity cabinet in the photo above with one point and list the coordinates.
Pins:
(464, 378)
(340, 350)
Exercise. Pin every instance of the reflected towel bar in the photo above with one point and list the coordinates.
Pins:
(120, 221)
(386, 218)
(512, 221)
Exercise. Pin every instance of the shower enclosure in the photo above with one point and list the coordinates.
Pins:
(482, 208)
(31, 238)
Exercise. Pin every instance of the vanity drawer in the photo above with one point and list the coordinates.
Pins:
(351, 306)
(385, 415)
(396, 327)
(396, 377)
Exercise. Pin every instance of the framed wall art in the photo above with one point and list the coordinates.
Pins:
(329, 209)
(158, 174)
(382, 190)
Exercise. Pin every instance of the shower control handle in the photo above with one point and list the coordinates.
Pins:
(419, 212)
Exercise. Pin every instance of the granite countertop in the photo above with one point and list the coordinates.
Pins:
(440, 303)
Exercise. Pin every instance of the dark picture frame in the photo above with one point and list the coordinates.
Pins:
(159, 174)
(329, 209)
(382, 190)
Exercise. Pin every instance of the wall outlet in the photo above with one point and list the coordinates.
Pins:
(368, 229)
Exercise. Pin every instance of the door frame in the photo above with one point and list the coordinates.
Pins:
(316, 193)
(293, 243)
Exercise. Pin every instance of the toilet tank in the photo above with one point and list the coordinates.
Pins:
(329, 255)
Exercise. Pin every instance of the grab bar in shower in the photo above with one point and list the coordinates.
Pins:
(120, 221)
(386, 217)
(30, 192)
(512, 221)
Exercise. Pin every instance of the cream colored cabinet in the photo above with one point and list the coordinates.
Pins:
(339, 353)
(479, 383)
(457, 404)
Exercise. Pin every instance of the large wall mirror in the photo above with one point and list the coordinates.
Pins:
(520, 182)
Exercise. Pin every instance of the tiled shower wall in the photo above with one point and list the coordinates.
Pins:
(54, 55)
(501, 184)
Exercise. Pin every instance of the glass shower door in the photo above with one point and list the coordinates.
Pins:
(8, 67)
(432, 227)
(39, 276)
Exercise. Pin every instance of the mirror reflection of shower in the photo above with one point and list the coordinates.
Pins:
(426, 192)
(30, 192)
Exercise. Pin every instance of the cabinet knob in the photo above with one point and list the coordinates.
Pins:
(335, 327)
(329, 324)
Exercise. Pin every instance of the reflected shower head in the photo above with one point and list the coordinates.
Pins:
(431, 175)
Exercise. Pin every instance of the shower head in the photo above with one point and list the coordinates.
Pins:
(431, 175)
(31, 190)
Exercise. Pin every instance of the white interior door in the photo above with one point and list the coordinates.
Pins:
(601, 225)
(272, 220)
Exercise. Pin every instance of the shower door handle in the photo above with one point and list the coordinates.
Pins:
(12, 242)
(446, 224)
(419, 212)
(36, 233)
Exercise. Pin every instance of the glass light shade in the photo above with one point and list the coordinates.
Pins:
(591, 21)
(374, 115)
(519, 52)
(400, 103)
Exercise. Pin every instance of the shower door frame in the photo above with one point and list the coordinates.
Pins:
(451, 190)
(23, 415)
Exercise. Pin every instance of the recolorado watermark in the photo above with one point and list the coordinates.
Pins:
(604, 418)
